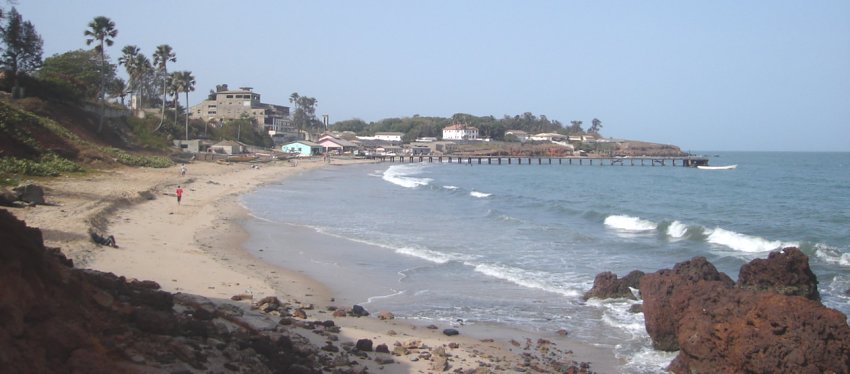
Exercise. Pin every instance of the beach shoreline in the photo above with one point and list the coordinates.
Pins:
(198, 247)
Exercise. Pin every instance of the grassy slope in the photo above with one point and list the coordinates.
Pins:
(39, 138)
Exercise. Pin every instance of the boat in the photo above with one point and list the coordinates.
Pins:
(724, 167)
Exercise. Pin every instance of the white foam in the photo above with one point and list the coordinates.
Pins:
(380, 297)
(677, 229)
(426, 254)
(450, 187)
(629, 223)
(615, 313)
(400, 175)
(743, 242)
(479, 195)
(526, 278)
(832, 255)
(648, 360)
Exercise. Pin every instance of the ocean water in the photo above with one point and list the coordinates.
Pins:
(519, 244)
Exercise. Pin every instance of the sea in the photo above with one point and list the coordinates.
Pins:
(518, 245)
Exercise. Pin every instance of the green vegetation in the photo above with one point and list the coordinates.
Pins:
(304, 117)
(488, 126)
(23, 47)
(130, 159)
(49, 165)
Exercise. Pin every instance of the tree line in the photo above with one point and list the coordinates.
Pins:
(488, 126)
(90, 75)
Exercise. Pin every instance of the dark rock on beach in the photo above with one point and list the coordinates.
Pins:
(358, 311)
(607, 286)
(24, 195)
(364, 345)
(786, 272)
(30, 194)
(761, 326)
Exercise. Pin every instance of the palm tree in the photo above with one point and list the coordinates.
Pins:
(173, 90)
(185, 83)
(118, 88)
(128, 59)
(140, 71)
(102, 30)
(161, 56)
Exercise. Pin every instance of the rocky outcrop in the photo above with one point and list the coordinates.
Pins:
(656, 289)
(731, 330)
(761, 326)
(607, 286)
(786, 272)
(54, 318)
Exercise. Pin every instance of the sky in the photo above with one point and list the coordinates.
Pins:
(703, 75)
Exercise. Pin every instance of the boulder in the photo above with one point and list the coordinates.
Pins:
(733, 330)
(607, 286)
(30, 193)
(358, 311)
(450, 332)
(660, 315)
(364, 345)
(7, 197)
(786, 272)
(385, 315)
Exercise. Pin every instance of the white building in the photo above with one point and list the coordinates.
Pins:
(460, 132)
(389, 136)
(548, 137)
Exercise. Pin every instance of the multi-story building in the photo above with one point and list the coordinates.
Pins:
(460, 132)
(233, 104)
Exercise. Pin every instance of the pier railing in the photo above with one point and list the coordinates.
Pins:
(686, 161)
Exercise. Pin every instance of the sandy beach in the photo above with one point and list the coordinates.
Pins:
(196, 247)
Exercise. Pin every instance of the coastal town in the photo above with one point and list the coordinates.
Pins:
(456, 139)
(129, 245)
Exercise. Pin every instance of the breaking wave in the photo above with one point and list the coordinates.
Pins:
(402, 175)
(479, 195)
(743, 242)
(629, 223)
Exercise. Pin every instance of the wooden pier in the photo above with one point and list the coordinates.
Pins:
(686, 161)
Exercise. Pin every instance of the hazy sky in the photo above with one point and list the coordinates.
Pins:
(703, 75)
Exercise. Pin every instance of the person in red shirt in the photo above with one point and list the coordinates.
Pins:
(179, 194)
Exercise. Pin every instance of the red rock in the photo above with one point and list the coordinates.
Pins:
(718, 328)
(660, 314)
(607, 286)
(725, 330)
(786, 272)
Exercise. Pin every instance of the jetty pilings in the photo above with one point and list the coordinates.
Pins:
(682, 161)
